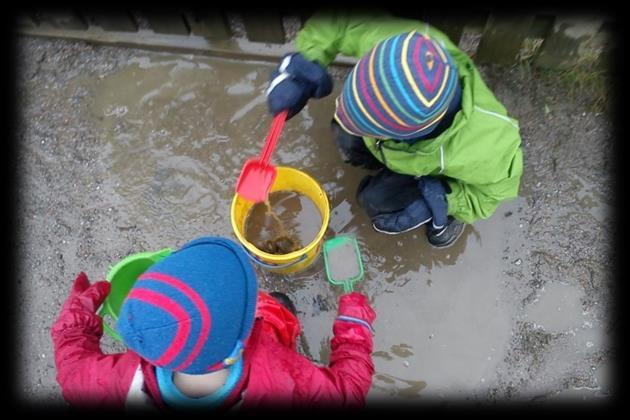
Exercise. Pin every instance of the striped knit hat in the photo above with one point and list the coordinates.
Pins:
(192, 311)
(398, 90)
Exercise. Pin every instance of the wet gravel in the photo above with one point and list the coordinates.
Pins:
(67, 223)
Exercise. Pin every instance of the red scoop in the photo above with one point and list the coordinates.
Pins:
(257, 175)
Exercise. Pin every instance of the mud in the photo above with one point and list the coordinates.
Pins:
(123, 150)
(286, 222)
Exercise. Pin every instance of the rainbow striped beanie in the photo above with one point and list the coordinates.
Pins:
(192, 311)
(399, 90)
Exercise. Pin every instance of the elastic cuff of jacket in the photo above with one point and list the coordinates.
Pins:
(356, 321)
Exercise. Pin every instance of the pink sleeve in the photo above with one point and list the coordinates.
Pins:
(351, 348)
(87, 376)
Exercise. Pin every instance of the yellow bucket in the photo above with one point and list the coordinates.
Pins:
(292, 180)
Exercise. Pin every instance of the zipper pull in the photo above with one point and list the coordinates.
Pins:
(379, 147)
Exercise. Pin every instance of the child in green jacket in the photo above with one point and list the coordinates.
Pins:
(416, 108)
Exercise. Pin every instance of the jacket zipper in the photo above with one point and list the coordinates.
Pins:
(379, 146)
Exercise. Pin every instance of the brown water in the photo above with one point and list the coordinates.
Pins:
(286, 222)
(178, 130)
(175, 131)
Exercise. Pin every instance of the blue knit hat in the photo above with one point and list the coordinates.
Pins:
(400, 89)
(191, 311)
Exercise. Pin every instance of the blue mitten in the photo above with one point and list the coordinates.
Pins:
(310, 73)
(434, 194)
(288, 94)
(414, 215)
(294, 82)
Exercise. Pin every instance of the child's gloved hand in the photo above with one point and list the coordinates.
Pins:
(294, 82)
(288, 94)
(355, 307)
(82, 304)
(434, 193)
(86, 296)
(414, 215)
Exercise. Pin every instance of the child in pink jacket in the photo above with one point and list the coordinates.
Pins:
(200, 335)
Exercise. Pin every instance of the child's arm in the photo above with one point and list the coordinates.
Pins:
(283, 376)
(87, 376)
(329, 33)
(351, 356)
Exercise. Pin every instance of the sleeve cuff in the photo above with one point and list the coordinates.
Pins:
(356, 321)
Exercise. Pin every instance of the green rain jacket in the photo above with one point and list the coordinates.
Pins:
(479, 156)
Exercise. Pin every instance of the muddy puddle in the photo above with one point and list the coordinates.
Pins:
(178, 130)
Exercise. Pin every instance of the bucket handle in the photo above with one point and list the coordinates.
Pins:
(275, 266)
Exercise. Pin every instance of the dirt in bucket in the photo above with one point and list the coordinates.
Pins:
(286, 222)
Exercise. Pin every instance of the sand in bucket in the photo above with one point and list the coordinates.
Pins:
(287, 222)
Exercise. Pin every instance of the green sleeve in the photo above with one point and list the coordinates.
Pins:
(321, 36)
(469, 203)
(327, 34)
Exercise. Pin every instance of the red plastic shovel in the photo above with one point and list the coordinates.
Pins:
(257, 175)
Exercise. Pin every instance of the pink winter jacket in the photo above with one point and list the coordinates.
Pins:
(274, 373)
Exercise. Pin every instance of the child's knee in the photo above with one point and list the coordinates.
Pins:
(386, 192)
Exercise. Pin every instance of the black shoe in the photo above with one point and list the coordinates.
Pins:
(445, 236)
(284, 301)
